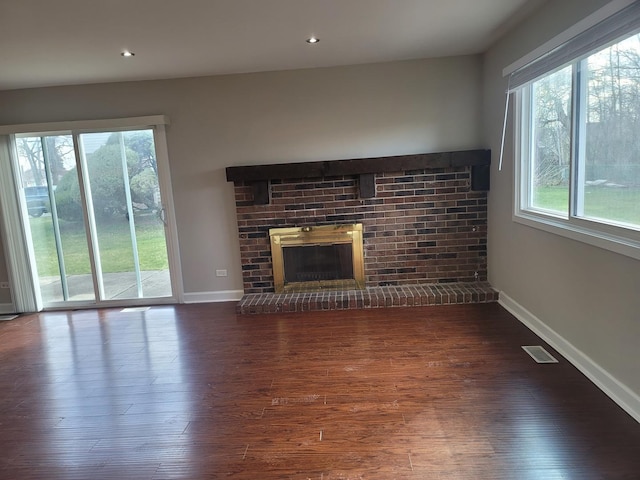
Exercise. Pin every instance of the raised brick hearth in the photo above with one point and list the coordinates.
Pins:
(371, 297)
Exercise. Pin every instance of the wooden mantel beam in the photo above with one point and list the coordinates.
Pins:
(358, 166)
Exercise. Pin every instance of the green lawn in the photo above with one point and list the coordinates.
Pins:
(114, 242)
(617, 204)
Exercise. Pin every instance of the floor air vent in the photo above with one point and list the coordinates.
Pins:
(539, 354)
(4, 318)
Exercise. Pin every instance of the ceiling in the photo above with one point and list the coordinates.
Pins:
(59, 42)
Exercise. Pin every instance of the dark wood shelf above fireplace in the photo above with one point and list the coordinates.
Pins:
(259, 176)
(358, 166)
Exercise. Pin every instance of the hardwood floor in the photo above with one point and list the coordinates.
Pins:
(196, 392)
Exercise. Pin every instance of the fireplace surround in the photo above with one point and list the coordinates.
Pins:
(315, 258)
(424, 216)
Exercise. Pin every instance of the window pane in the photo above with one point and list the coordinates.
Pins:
(612, 143)
(550, 147)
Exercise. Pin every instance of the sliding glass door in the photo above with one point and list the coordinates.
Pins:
(94, 215)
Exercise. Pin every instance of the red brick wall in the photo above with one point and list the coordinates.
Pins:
(423, 226)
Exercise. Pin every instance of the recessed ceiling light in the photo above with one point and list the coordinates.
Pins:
(127, 53)
(313, 40)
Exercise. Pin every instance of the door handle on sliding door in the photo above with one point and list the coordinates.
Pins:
(162, 214)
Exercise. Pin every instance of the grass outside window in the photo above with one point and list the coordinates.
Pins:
(616, 204)
(115, 244)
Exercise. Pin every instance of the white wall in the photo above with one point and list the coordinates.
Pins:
(586, 299)
(293, 116)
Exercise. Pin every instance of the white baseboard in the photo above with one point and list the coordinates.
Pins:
(219, 296)
(7, 308)
(628, 400)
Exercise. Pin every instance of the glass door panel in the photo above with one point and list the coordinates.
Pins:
(124, 206)
(50, 185)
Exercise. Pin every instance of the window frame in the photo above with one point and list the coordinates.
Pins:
(609, 235)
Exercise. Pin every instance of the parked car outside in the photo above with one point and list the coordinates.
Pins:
(37, 200)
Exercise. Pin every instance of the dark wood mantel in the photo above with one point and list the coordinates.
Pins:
(358, 166)
(365, 168)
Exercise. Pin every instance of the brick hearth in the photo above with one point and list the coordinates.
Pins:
(372, 297)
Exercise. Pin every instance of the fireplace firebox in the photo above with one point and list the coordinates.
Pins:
(327, 257)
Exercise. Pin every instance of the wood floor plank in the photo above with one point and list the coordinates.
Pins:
(199, 392)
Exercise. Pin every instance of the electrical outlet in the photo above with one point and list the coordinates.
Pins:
(221, 273)
(4, 284)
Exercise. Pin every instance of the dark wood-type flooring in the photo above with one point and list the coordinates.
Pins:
(197, 392)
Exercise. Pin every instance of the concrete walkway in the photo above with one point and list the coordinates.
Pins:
(116, 286)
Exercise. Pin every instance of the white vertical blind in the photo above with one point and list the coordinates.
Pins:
(16, 253)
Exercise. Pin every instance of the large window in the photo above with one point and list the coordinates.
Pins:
(579, 137)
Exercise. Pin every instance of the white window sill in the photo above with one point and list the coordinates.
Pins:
(619, 240)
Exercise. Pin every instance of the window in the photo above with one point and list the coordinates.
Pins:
(579, 140)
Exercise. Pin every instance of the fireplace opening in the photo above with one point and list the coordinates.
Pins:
(307, 259)
(313, 263)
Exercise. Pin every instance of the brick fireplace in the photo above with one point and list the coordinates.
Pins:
(424, 222)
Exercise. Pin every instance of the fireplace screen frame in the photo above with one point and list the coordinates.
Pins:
(317, 235)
